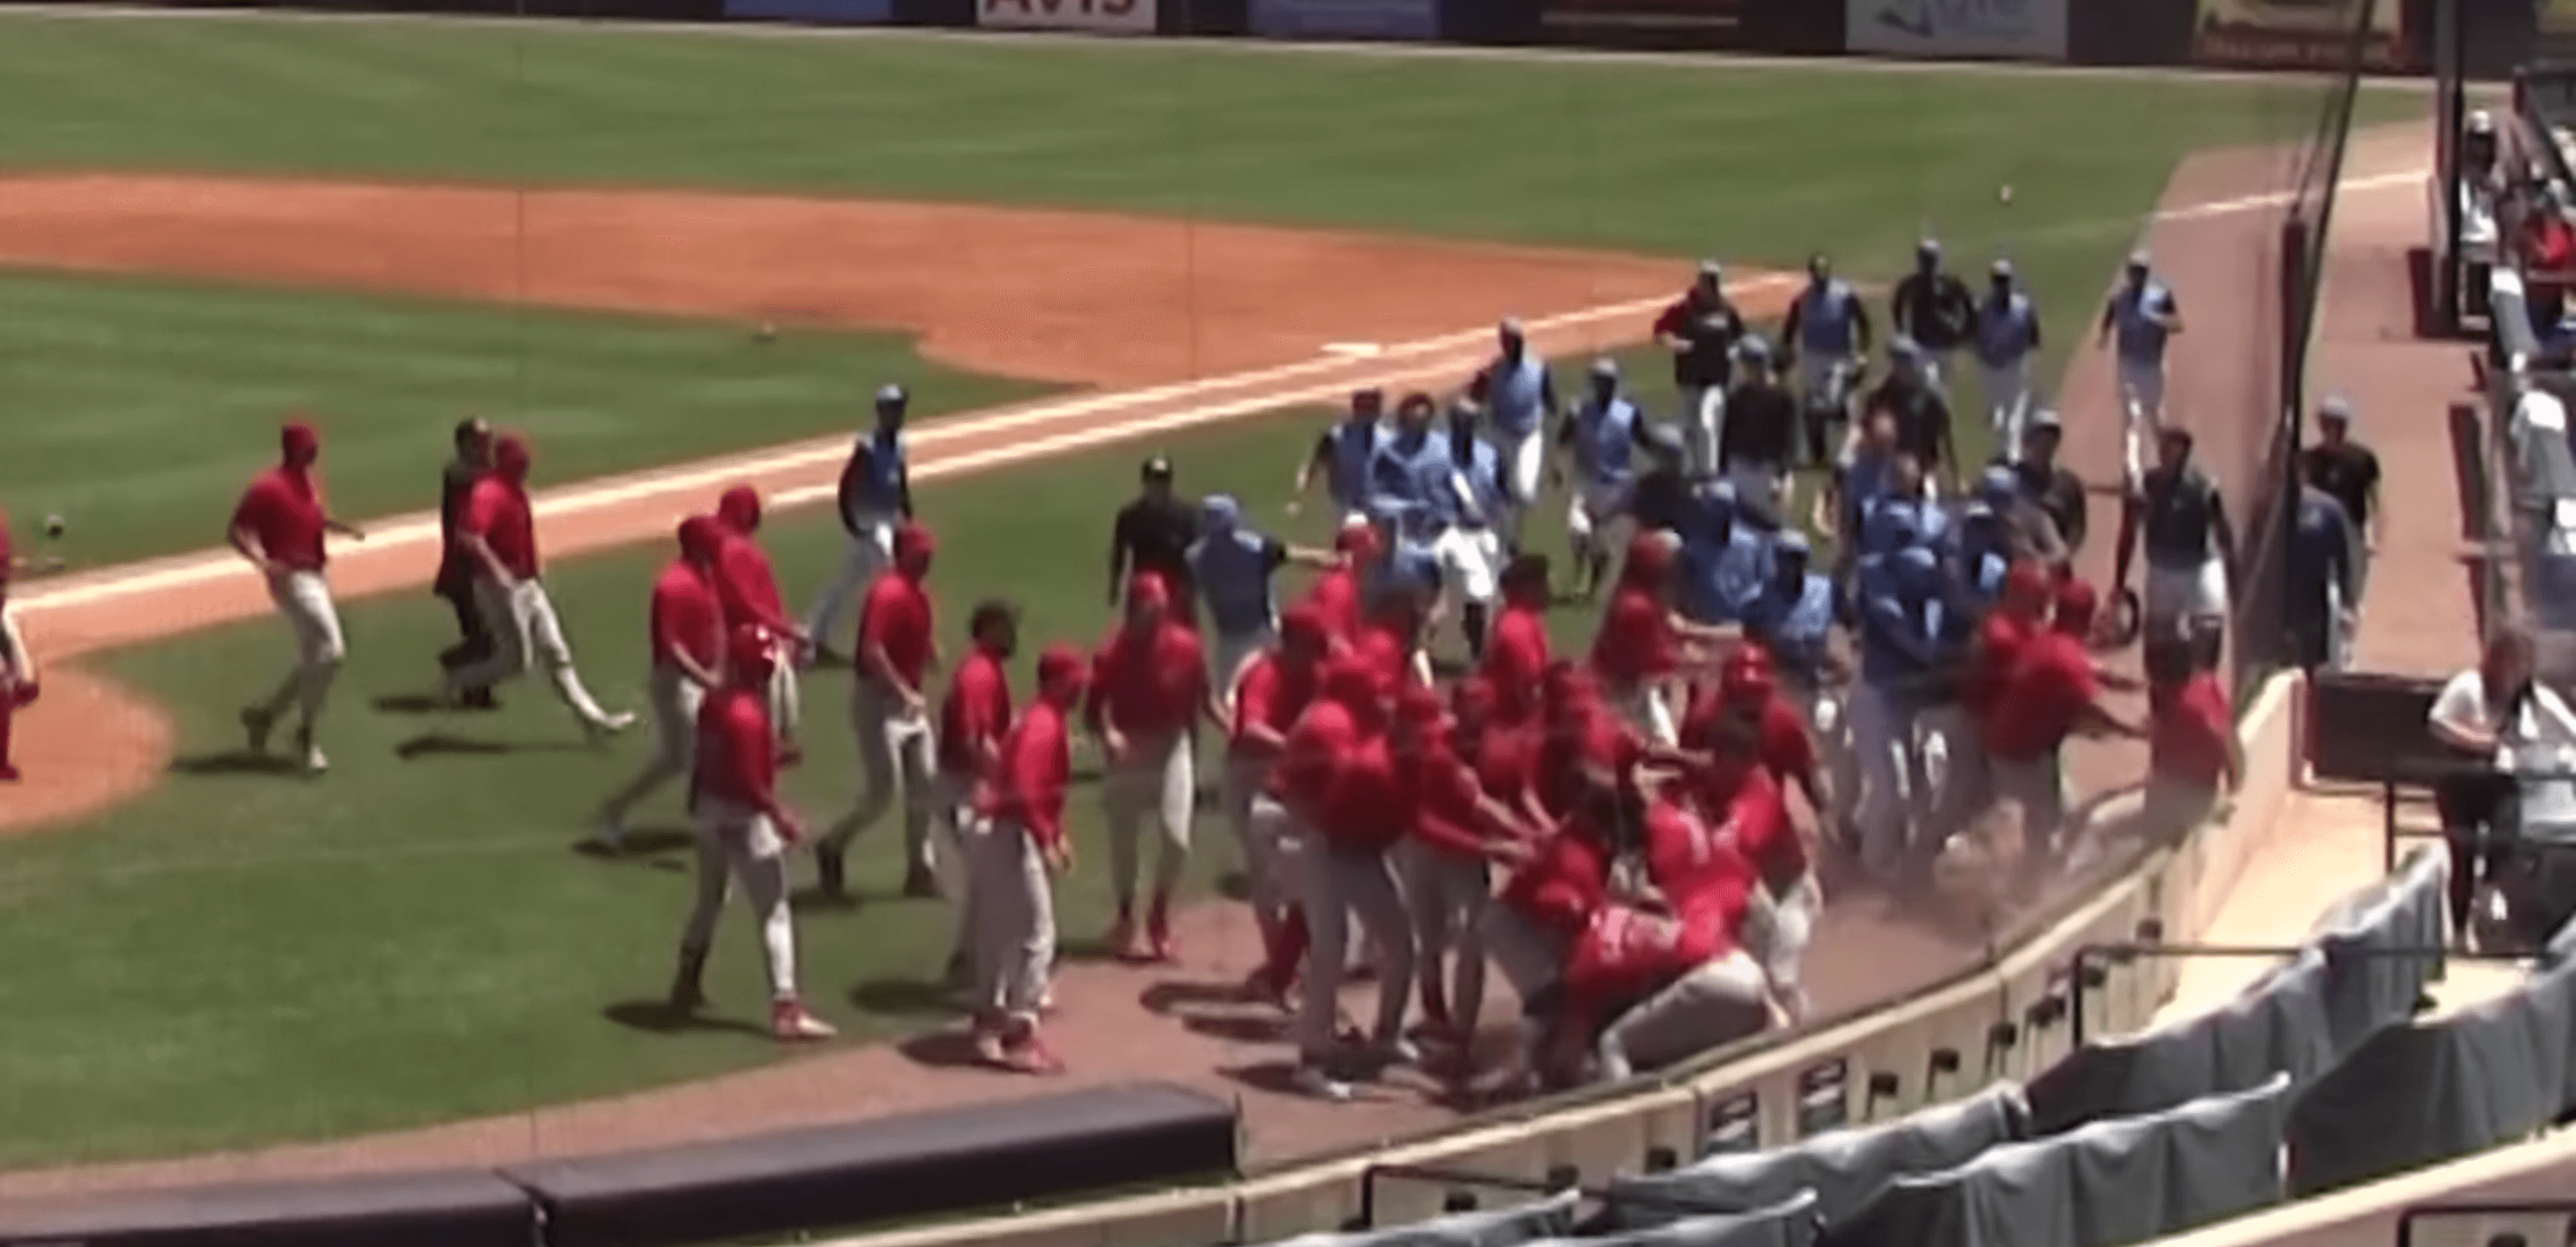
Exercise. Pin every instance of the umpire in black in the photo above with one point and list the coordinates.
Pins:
(455, 583)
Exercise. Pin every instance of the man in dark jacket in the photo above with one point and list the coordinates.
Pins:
(455, 582)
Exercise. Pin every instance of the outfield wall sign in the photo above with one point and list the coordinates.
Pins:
(2018, 29)
(1347, 19)
(1125, 16)
(2312, 33)
(860, 12)
(1646, 23)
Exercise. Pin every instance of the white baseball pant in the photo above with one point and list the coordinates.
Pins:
(304, 598)
(1448, 895)
(1703, 428)
(895, 763)
(2038, 786)
(1470, 561)
(2177, 593)
(1531, 957)
(1829, 725)
(786, 705)
(2007, 390)
(1341, 882)
(1592, 518)
(1522, 456)
(739, 843)
(870, 550)
(956, 840)
(1015, 922)
(13, 646)
(1158, 779)
(1960, 787)
(1822, 373)
(675, 699)
(1262, 828)
(1894, 787)
(524, 631)
(1646, 706)
(2142, 400)
(1718, 1003)
(1777, 930)
(1230, 654)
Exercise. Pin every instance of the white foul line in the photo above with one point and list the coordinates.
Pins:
(1397, 362)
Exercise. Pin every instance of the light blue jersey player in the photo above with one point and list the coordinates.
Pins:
(1828, 336)
(1342, 455)
(2006, 341)
(1233, 568)
(1519, 400)
(1471, 551)
(1793, 617)
(1599, 439)
(1897, 628)
(2142, 316)
(1725, 561)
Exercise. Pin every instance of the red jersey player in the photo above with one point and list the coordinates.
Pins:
(1020, 851)
(743, 832)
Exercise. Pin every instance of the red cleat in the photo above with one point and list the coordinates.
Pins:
(9, 774)
(790, 1023)
(1032, 1056)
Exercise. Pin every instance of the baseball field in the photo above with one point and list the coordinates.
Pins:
(575, 231)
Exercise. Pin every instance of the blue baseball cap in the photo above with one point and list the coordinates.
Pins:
(892, 396)
(1793, 544)
(2336, 407)
(1904, 349)
(1605, 369)
(1221, 511)
(1997, 484)
(1755, 349)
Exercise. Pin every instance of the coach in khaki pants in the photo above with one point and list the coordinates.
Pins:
(1149, 684)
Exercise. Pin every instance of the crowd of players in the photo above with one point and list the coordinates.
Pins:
(1656, 804)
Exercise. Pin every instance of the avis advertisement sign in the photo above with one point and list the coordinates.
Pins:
(1124, 16)
(2020, 29)
(2314, 33)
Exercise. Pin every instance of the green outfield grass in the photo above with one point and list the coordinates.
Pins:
(135, 407)
(240, 958)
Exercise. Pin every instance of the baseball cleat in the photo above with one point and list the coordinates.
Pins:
(921, 883)
(1032, 1056)
(1312, 1080)
(829, 868)
(1396, 1051)
(314, 762)
(790, 1023)
(1122, 935)
(619, 722)
(989, 1049)
(687, 996)
(256, 724)
(8, 774)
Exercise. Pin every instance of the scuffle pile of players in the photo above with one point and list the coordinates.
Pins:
(1658, 885)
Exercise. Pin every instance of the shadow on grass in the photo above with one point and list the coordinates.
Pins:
(657, 1017)
(944, 1049)
(237, 762)
(913, 998)
(640, 843)
(439, 744)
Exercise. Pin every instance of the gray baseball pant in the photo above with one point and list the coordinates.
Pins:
(1340, 882)
(1158, 779)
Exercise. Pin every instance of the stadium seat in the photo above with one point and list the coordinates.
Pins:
(1844, 1169)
